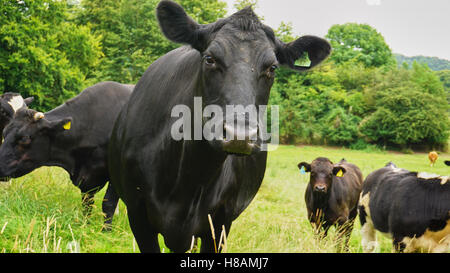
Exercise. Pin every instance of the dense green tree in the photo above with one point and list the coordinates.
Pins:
(408, 110)
(204, 11)
(131, 36)
(444, 77)
(359, 42)
(42, 54)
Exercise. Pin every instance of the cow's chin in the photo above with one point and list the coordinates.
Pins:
(236, 147)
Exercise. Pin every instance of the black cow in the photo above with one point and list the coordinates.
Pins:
(9, 104)
(332, 195)
(447, 162)
(412, 208)
(73, 136)
(170, 186)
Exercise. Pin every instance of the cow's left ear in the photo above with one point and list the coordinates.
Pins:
(305, 165)
(178, 27)
(318, 49)
(339, 171)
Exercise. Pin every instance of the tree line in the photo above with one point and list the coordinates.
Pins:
(434, 63)
(359, 98)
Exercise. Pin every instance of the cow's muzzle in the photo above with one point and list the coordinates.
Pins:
(241, 140)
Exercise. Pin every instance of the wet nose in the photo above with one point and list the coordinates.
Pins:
(320, 188)
(240, 133)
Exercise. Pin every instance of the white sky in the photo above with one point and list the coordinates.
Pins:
(410, 27)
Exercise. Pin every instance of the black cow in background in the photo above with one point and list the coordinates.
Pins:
(412, 208)
(171, 186)
(9, 104)
(332, 195)
(447, 162)
(73, 136)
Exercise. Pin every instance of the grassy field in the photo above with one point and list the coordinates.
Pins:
(42, 212)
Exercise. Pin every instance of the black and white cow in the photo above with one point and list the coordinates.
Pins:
(171, 186)
(73, 136)
(411, 208)
(9, 104)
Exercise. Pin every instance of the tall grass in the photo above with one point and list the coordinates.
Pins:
(42, 212)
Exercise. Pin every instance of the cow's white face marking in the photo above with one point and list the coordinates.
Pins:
(16, 103)
(427, 176)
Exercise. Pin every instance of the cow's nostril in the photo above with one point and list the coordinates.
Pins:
(320, 188)
(240, 133)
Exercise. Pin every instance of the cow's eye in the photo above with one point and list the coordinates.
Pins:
(271, 71)
(209, 60)
(25, 140)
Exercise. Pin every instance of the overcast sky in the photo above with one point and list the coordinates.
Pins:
(410, 27)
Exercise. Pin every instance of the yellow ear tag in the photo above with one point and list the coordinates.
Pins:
(339, 173)
(67, 126)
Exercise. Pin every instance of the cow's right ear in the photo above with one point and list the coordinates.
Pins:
(28, 100)
(60, 125)
(318, 49)
(177, 26)
(305, 165)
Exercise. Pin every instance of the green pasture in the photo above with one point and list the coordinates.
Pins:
(41, 212)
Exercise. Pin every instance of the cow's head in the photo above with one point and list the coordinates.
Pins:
(27, 142)
(238, 58)
(9, 104)
(322, 171)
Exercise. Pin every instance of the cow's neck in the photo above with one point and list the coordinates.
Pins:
(320, 201)
(198, 160)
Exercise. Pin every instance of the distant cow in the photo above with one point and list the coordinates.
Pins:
(73, 136)
(412, 208)
(171, 186)
(447, 162)
(9, 104)
(432, 156)
(332, 195)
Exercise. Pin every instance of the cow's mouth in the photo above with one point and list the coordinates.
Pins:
(240, 147)
(240, 141)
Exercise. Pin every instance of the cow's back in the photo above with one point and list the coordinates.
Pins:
(93, 112)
